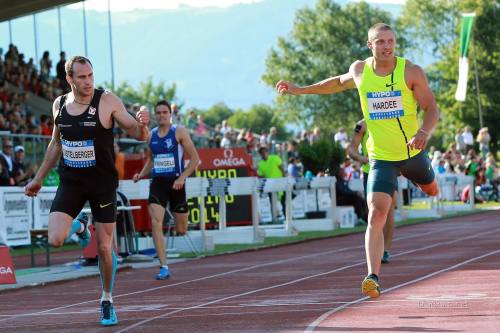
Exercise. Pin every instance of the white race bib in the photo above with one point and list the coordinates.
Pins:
(78, 154)
(385, 104)
(164, 163)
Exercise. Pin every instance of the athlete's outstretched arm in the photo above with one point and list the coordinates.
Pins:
(425, 99)
(188, 146)
(137, 129)
(52, 155)
(352, 148)
(329, 86)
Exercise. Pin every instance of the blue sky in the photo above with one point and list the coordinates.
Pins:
(170, 49)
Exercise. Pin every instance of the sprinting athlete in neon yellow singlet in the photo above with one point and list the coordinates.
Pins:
(390, 89)
(390, 112)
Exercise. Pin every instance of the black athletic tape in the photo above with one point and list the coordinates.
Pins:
(357, 129)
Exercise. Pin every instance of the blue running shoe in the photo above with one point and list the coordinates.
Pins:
(385, 257)
(108, 315)
(84, 236)
(164, 274)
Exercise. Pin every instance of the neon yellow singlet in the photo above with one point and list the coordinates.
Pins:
(390, 113)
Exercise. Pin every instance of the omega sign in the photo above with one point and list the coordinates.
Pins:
(229, 160)
(5, 270)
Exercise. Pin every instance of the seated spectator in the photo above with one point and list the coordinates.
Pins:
(348, 197)
(5, 179)
(6, 161)
(22, 172)
(46, 125)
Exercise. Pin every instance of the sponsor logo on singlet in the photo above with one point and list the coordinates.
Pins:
(385, 104)
(78, 154)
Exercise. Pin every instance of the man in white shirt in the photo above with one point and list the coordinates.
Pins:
(468, 138)
(341, 137)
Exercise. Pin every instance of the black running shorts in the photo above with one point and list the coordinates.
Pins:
(383, 174)
(70, 199)
(161, 192)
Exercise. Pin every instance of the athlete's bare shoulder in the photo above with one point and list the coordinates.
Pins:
(181, 131)
(56, 106)
(356, 67)
(109, 97)
(413, 74)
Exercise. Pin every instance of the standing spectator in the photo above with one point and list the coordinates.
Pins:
(263, 139)
(468, 138)
(61, 72)
(315, 135)
(176, 116)
(224, 128)
(459, 141)
(201, 127)
(226, 140)
(292, 149)
(484, 138)
(45, 67)
(272, 139)
(293, 169)
(304, 137)
(341, 137)
(191, 122)
(270, 166)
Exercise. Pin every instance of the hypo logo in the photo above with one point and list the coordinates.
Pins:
(382, 94)
(75, 143)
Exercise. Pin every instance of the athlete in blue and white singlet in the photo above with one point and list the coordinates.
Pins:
(167, 145)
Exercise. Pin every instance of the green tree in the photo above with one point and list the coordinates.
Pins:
(147, 93)
(321, 156)
(216, 114)
(437, 25)
(259, 118)
(325, 41)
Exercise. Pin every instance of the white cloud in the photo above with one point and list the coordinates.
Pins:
(129, 5)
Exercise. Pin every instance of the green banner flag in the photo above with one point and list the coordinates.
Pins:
(463, 63)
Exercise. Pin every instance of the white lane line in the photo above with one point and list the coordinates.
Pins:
(277, 262)
(325, 315)
(300, 280)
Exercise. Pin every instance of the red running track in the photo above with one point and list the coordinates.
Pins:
(443, 277)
